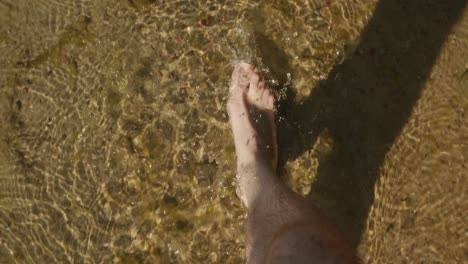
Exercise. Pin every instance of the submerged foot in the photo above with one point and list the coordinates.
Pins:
(250, 108)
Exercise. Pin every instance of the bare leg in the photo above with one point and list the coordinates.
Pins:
(281, 227)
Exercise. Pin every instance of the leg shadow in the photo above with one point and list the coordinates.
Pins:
(364, 104)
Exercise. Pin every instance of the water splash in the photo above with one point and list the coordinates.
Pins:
(241, 41)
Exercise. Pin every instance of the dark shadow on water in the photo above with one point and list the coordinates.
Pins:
(364, 104)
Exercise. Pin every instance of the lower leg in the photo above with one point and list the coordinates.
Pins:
(284, 228)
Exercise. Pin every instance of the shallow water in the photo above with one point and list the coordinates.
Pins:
(115, 145)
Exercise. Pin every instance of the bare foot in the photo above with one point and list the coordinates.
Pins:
(250, 108)
(281, 226)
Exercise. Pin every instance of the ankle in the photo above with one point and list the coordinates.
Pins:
(255, 179)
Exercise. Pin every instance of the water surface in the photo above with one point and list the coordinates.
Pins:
(115, 146)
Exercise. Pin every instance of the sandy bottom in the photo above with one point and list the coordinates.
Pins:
(115, 145)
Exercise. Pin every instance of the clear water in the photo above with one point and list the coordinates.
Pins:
(115, 146)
